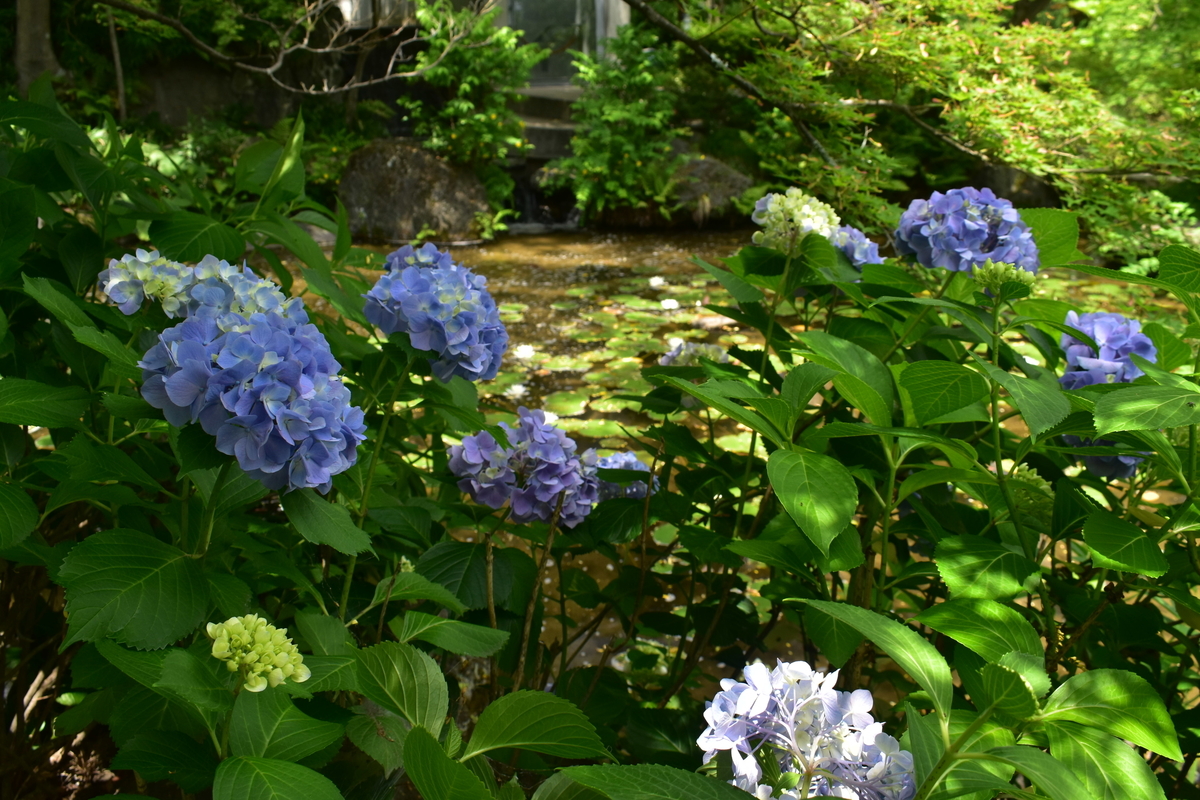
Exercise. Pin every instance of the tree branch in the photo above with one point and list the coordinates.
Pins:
(664, 24)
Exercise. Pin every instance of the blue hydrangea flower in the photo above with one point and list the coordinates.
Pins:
(794, 715)
(246, 364)
(1118, 337)
(688, 354)
(444, 308)
(857, 247)
(1121, 467)
(626, 460)
(539, 466)
(962, 228)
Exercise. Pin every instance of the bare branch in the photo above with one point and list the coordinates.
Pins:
(337, 39)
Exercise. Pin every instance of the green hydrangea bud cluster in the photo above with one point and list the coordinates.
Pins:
(787, 218)
(992, 275)
(261, 652)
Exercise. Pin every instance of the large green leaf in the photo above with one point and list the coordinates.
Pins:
(652, 782)
(1041, 402)
(45, 123)
(561, 787)
(973, 566)
(1141, 408)
(405, 681)
(247, 778)
(1109, 768)
(126, 583)
(58, 300)
(381, 737)
(322, 522)
(411, 586)
(915, 655)
(1056, 233)
(18, 515)
(458, 637)
(188, 678)
(535, 721)
(742, 292)
(1006, 691)
(817, 492)
(185, 236)
(462, 568)
(268, 725)
(435, 774)
(989, 628)
(1052, 777)
(31, 403)
(326, 635)
(849, 357)
(939, 387)
(1179, 266)
(1119, 702)
(1117, 544)
(169, 755)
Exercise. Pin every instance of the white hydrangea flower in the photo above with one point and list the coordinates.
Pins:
(260, 651)
(992, 275)
(826, 742)
(787, 218)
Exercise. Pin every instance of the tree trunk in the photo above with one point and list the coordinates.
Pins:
(35, 52)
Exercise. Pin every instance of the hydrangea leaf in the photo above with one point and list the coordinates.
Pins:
(406, 681)
(915, 655)
(18, 515)
(1179, 266)
(267, 724)
(1051, 776)
(1056, 233)
(1041, 402)
(561, 787)
(435, 774)
(411, 586)
(1109, 768)
(185, 236)
(246, 778)
(1119, 702)
(126, 583)
(169, 755)
(1117, 544)
(939, 387)
(989, 628)
(817, 491)
(322, 522)
(458, 637)
(973, 566)
(651, 782)
(536, 721)
(380, 737)
(1007, 691)
(31, 403)
(1136, 408)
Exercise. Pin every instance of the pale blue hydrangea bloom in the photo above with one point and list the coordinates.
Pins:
(444, 308)
(857, 247)
(625, 460)
(539, 466)
(1118, 337)
(826, 737)
(142, 274)
(962, 228)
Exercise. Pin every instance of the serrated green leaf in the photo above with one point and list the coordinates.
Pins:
(973, 566)
(1135, 408)
(1117, 544)
(169, 755)
(185, 236)
(1041, 402)
(245, 778)
(1119, 702)
(536, 721)
(1051, 776)
(1109, 768)
(326, 635)
(1056, 234)
(989, 628)
(18, 515)
(1006, 691)
(913, 654)
(406, 681)
(185, 677)
(380, 737)
(126, 583)
(817, 492)
(267, 724)
(458, 637)
(1179, 265)
(940, 387)
(322, 522)
(25, 402)
(652, 782)
(435, 774)
(58, 300)
(411, 586)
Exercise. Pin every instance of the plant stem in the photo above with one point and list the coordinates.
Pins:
(345, 600)
(918, 318)
(491, 579)
(536, 593)
(210, 510)
(950, 754)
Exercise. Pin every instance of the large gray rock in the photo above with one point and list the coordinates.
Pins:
(394, 188)
(708, 187)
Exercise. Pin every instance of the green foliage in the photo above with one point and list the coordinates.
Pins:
(625, 152)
